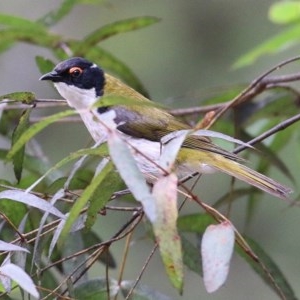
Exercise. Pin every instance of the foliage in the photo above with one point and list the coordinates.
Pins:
(52, 212)
(284, 13)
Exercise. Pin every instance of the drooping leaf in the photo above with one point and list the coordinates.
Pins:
(171, 145)
(111, 183)
(44, 65)
(91, 238)
(191, 256)
(10, 247)
(165, 229)
(284, 12)
(194, 222)
(84, 198)
(96, 289)
(99, 151)
(130, 173)
(35, 129)
(18, 158)
(14, 211)
(20, 277)
(112, 29)
(280, 41)
(268, 270)
(35, 37)
(54, 16)
(216, 250)
(141, 292)
(32, 200)
(73, 244)
(19, 22)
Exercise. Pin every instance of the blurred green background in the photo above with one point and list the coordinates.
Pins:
(190, 51)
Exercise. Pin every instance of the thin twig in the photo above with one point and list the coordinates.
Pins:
(270, 132)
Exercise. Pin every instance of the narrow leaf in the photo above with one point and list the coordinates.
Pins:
(35, 129)
(99, 151)
(284, 12)
(32, 200)
(20, 277)
(165, 230)
(84, 198)
(18, 22)
(45, 65)
(191, 257)
(280, 41)
(171, 146)
(115, 28)
(130, 173)
(102, 194)
(54, 16)
(90, 238)
(18, 158)
(194, 222)
(11, 247)
(216, 250)
(96, 289)
(268, 270)
(142, 292)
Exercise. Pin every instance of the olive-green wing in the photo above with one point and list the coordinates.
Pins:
(152, 123)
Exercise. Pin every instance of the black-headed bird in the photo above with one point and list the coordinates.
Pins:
(82, 83)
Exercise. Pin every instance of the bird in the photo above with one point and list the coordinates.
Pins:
(82, 83)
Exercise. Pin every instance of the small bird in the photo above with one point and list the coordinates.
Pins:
(82, 83)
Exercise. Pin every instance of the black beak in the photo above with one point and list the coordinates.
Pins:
(52, 76)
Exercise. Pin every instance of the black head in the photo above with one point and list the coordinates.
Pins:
(78, 72)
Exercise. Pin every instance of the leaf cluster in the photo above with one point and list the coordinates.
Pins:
(49, 214)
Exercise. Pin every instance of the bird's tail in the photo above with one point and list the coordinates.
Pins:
(235, 169)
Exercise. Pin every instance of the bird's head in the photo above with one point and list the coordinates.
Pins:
(77, 80)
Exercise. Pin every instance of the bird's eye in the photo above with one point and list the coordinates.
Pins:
(75, 71)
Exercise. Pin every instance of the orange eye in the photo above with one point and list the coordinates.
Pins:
(75, 71)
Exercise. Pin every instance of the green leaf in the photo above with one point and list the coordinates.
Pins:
(99, 151)
(52, 17)
(13, 210)
(83, 199)
(90, 238)
(24, 97)
(280, 41)
(142, 292)
(270, 273)
(165, 230)
(111, 183)
(194, 222)
(110, 30)
(35, 37)
(109, 62)
(35, 129)
(96, 289)
(18, 158)
(285, 12)
(191, 256)
(130, 173)
(18, 22)
(45, 65)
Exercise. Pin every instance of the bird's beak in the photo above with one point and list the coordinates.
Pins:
(52, 76)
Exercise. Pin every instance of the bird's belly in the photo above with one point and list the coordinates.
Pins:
(146, 153)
